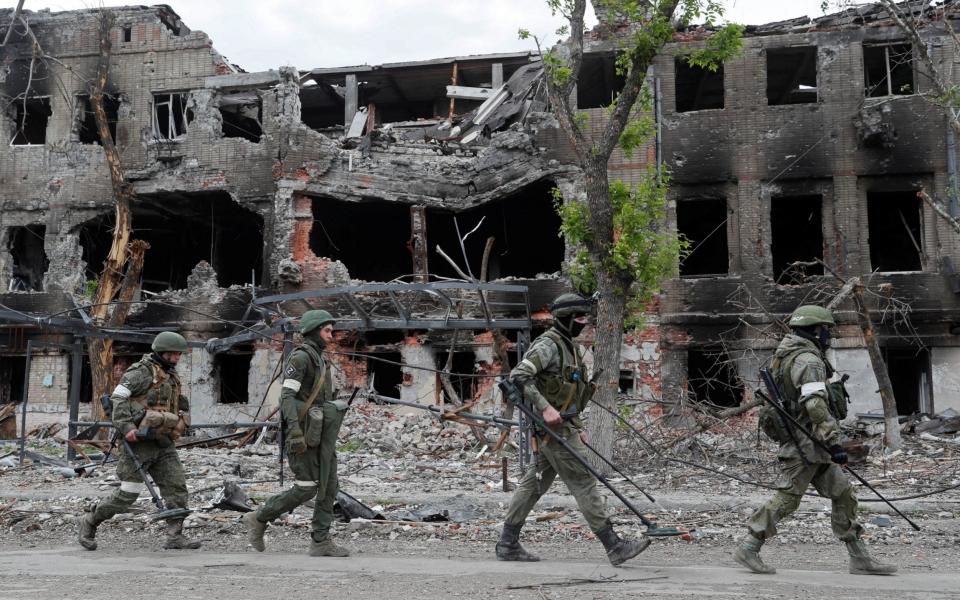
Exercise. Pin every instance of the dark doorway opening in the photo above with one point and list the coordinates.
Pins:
(703, 222)
(380, 253)
(627, 382)
(232, 370)
(598, 83)
(461, 371)
(182, 230)
(525, 228)
(30, 260)
(909, 370)
(712, 378)
(30, 118)
(384, 368)
(792, 75)
(797, 235)
(242, 115)
(13, 370)
(697, 88)
(895, 233)
(86, 122)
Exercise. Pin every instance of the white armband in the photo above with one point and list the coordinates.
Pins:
(292, 384)
(808, 389)
(122, 391)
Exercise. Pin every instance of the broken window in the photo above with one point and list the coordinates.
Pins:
(242, 115)
(182, 230)
(598, 83)
(461, 371)
(30, 117)
(321, 105)
(697, 88)
(232, 370)
(703, 222)
(626, 383)
(909, 370)
(85, 124)
(888, 70)
(712, 377)
(380, 254)
(895, 232)
(383, 368)
(170, 115)
(525, 228)
(797, 235)
(30, 260)
(792, 75)
(127, 33)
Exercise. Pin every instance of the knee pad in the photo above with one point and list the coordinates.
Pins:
(132, 489)
(306, 489)
(786, 503)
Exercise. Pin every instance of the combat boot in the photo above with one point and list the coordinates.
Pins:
(862, 564)
(620, 550)
(325, 546)
(88, 531)
(509, 548)
(748, 555)
(175, 538)
(255, 529)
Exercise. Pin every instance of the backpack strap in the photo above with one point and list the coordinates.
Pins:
(317, 381)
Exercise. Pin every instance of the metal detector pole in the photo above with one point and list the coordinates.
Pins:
(76, 365)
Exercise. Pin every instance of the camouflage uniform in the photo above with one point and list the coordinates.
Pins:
(147, 389)
(315, 468)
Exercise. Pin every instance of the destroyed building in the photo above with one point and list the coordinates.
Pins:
(811, 144)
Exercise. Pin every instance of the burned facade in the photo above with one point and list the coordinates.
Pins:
(810, 145)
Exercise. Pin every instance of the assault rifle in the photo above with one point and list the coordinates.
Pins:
(775, 398)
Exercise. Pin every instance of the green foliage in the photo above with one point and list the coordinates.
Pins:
(636, 133)
(350, 446)
(557, 68)
(90, 287)
(721, 46)
(643, 252)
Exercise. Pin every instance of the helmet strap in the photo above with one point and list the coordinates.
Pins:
(164, 363)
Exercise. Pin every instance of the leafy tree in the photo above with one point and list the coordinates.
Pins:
(623, 248)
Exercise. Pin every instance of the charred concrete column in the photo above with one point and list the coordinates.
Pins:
(419, 385)
(67, 268)
(199, 385)
(571, 188)
(350, 99)
(754, 205)
(263, 365)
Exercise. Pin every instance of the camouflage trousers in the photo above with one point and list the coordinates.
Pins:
(552, 460)
(165, 469)
(795, 477)
(316, 477)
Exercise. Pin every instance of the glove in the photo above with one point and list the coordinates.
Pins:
(296, 444)
(838, 455)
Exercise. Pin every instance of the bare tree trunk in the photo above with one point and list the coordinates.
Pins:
(891, 438)
(111, 278)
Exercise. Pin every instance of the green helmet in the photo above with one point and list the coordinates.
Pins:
(168, 341)
(809, 315)
(571, 304)
(312, 319)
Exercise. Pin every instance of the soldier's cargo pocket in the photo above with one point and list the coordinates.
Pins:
(313, 427)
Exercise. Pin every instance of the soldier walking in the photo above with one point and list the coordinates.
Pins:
(311, 414)
(803, 375)
(554, 381)
(148, 395)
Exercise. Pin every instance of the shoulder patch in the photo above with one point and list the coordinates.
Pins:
(290, 370)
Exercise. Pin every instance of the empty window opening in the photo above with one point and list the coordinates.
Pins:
(12, 372)
(30, 117)
(797, 236)
(182, 230)
(127, 33)
(383, 368)
(909, 370)
(599, 83)
(895, 232)
(170, 115)
(232, 371)
(792, 75)
(697, 88)
(888, 70)
(380, 254)
(30, 260)
(242, 116)
(703, 222)
(525, 228)
(712, 378)
(461, 372)
(86, 122)
(321, 106)
(627, 382)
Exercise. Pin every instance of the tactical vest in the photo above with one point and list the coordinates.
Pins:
(326, 391)
(164, 392)
(837, 396)
(566, 388)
